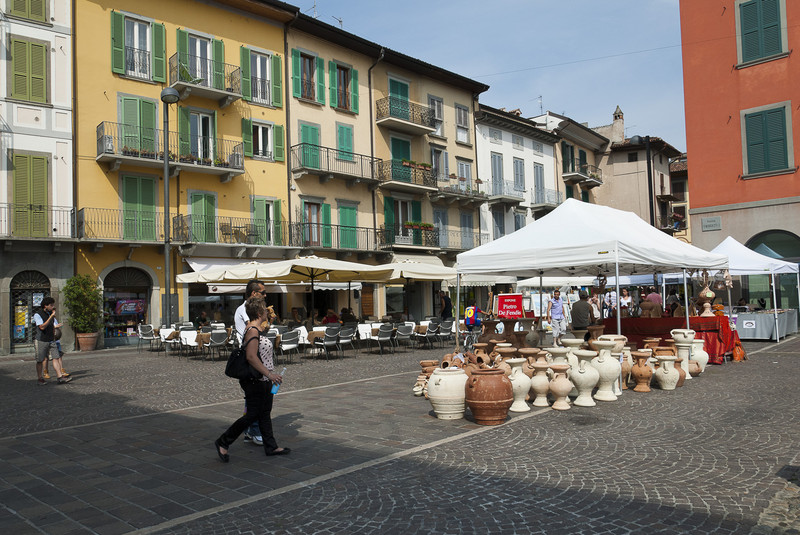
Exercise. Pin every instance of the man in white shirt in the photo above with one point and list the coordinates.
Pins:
(240, 321)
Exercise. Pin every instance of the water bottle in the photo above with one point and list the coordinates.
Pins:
(276, 386)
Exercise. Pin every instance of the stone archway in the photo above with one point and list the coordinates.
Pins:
(27, 289)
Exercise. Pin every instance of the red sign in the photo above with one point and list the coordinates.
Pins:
(510, 306)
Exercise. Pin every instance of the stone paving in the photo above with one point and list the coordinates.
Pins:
(127, 447)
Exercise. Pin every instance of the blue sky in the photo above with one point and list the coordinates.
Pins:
(583, 57)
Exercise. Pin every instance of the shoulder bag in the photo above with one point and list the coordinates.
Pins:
(238, 367)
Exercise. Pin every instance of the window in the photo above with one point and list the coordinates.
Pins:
(519, 174)
(265, 218)
(495, 135)
(440, 224)
(767, 142)
(538, 148)
(343, 82)
(585, 196)
(138, 127)
(468, 237)
(29, 70)
(679, 189)
(262, 140)
(437, 106)
(539, 193)
(344, 142)
(31, 196)
(307, 79)
(517, 141)
(519, 220)
(498, 223)
(497, 174)
(204, 220)
(462, 124)
(568, 158)
(137, 48)
(308, 76)
(439, 164)
(202, 136)
(200, 61)
(465, 170)
(312, 218)
(139, 208)
(28, 9)
(260, 78)
(762, 29)
(569, 191)
(396, 213)
(633, 157)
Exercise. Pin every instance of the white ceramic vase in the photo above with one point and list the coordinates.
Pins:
(609, 369)
(585, 378)
(666, 375)
(520, 385)
(572, 344)
(540, 384)
(699, 353)
(446, 392)
(618, 338)
(683, 342)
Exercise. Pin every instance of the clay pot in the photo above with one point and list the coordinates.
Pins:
(642, 373)
(428, 363)
(480, 349)
(666, 375)
(507, 353)
(699, 353)
(595, 331)
(626, 372)
(609, 369)
(694, 368)
(529, 354)
(446, 393)
(446, 361)
(670, 343)
(520, 384)
(489, 394)
(428, 370)
(681, 372)
(650, 343)
(618, 338)
(469, 367)
(419, 386)
(540, 384)
(560, 386)
(500, 364)
(585, 378)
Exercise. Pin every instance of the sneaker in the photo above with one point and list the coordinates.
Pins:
(41, 382)
(257, 440)
(247, 437)
(62, 380)
(46, 375)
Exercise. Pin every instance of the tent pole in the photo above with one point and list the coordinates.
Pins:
(775, 309)
(349, 305)
(458, 301)
(616, 284)
(798, 292)
(541, 312)
(730, 302)
(686, 299)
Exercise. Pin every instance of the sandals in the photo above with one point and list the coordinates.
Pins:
(224, 457)
(283, 451)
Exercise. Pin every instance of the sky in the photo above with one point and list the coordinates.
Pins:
(580, 58)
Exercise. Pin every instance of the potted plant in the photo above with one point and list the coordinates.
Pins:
(478, 181)
(187, 158)
(205, 161)
(462, 179)
(407, 163)
(83, 299)
(453, 175)
(408, 224)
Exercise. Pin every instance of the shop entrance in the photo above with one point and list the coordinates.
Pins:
(126, 300)
(28, 288)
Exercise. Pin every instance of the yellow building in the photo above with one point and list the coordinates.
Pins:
(225, 146)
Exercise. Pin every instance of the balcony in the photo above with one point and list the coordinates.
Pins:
(462, 190)
(137, 63)
(205, 78)
(341, 238)
(404, 116)
(124, 226)
(119, 144)
(671, 225)
(461, 240)
(231, 230)
(401, 237)
(406, 176)
(328, 163)
(545, 199)
(37, 222)
(583, 174)
(505, 192)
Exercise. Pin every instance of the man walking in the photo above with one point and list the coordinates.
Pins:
(555, 316)
(46, 343)
(447, 305)
(240, 320)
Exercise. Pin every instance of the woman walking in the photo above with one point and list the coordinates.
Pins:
(257, 395)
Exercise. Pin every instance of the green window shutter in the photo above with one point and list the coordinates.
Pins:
(247, 136)
(748, 19)
(568, 193)
(296, 73)
(344, 141)
(159, 44)
(585, 196)
(775, 127)
(130, 207)
(216, 141)
(416, 216)
(131, 134)
(320, 80)
(20, 85)
(22, 195)
(771, 28)
(38, 72)
(354, 90)
(39, 197)
(184, 133)
(147, 209)
(117, 42)
(348, 217)
(277, 235)
(756, 145)
(326, 225)
(278, 142)
(182, 44)
(37, 10)
(277, 81)
(18, 8)
(582, 162)
(388, 219)
(332, 83)
(147, 125)
(198, 206)
(218, 60)
(565, 167)
(260, 220)
(244, 62)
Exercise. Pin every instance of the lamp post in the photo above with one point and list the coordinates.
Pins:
(637, 140)
(168, 96)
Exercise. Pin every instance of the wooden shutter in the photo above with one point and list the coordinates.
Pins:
(260, 220)
(182, 42)
(39, 198)
(416, 216)
(38, 72)
(347, 227)
(344, 141)
(565, 165)
(18, 8)
(22, 194)
(296, 73)
(278, 143)
(388, 219)
(244, 63)
(131, 135)
(320, 80)
(332, 83)
(775, 127)
(277, 235)
(748, 19)
(147, 125)
(198, 208)
(218, 60)
(159, 45)
(184, 132)
(247, 136)
(277, 81)
(756, 146)
(130, 207)
(326, 225)
(20, 84)
(117, 42)
(770, 28)
(37, 10)
(446, 164)
(215, 142)
(354, 90)
(147, 209)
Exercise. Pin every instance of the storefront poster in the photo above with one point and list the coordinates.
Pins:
(129, 306)
(510, 306)
(37, 299)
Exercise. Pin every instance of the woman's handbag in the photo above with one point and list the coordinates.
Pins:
(57, 334)
(238, 367)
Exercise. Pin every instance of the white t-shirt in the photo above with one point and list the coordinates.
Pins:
(240, 320)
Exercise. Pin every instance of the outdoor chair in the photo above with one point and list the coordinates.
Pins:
(405, 335)
(446, 330)
(146, 334)
(364, 333)
(347, 337)
(385, 333)
(173, 344)
(219, 340)
(328, 343)
(206, 329)
(290, 341)
(333, 328)
(188, 341)
(430, 337)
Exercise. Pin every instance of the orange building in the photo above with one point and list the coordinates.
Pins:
(742, 97)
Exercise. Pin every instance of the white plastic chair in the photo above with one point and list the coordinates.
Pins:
(364, 333)
(189, 341)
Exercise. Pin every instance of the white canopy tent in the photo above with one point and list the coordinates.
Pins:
(582, 239)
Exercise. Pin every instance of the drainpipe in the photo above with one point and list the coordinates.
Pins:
(287, 128)
(74, 139)
(372, 140)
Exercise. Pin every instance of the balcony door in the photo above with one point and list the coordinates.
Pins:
(138, 208)
(440, 224)
(401, 150)
(402, 213)
(201, 134)
(204, 218)
(398, 100)
(30, 195)
(309, 137)
(538, 183)
(497, 174)
(200, 59)
(137, 49)
(348, 217)
(467, 232)
(262, 219)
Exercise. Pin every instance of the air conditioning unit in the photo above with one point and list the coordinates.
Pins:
(236, 160)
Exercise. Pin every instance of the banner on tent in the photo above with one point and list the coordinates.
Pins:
(510, 306)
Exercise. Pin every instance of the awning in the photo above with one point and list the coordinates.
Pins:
(300, 287)
(421, 258)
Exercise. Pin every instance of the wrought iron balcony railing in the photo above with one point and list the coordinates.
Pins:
(139, 225)
(547, 196)
(577, 171)
(260, 90)
(137, 63)
(390, 235)
(318, 235)
(398, 171)
(36, 221)
(323, 160)
(230, 230)
(461, 240)
(671, 224)
(404, 110)
(504, 188)
(460, 186)
(204, 72)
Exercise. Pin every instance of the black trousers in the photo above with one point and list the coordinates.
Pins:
(258, 400)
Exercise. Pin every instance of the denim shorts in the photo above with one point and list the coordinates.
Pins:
(45, 349)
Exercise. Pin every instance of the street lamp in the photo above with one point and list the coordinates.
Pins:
(168, 96)
(637, 140)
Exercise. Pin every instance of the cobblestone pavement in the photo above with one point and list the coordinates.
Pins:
(128, 447)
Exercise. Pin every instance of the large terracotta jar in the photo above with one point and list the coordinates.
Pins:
(481, 354)
(489, 394)
(641, 371)
(585, 378)
(681, 373)
(609, 369)
(529, 354)
(650, 343)
(520, 384)
(446, 393)
(666, 375)
(560, 386)
(694, 368)
(699, 353)
(540, 384)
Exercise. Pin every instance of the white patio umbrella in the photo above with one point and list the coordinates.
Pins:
(409, 270)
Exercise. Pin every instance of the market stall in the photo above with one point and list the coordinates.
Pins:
(762, 325)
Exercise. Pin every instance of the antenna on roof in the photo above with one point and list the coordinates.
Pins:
(541, 105)
(314, 8)
(341, 26)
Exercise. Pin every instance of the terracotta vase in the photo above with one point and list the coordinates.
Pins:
(428, 363)
(626, 372)
(595, 331)
(469, 367)
(489, 394)
(87, 341)
(480, 351)
(609, 369)
(650, 343)
(694, 368)
(560, 386)
(529, 354)
(681, 373)
(699, 353)
(670, 343)
(500, 364)
(520, 385)
(446, 393)
(666, 375)
(585, 378)
(540, 384)
(489, 331)
(641, 371)
(446, 361)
